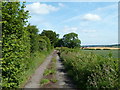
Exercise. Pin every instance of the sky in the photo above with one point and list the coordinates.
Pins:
(96, 23)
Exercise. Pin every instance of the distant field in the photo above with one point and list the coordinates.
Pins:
(116, 46)
(105, 52)
(103, 48)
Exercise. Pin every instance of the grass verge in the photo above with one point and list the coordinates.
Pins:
(35, 61)
(49, 77)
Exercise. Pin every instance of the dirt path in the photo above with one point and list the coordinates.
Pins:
(34, 81)
(61, 75)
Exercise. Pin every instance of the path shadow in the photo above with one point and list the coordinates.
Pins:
(63, 74)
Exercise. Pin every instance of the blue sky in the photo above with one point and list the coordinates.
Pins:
(94, 22)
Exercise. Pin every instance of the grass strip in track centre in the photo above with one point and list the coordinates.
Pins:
(49, 78)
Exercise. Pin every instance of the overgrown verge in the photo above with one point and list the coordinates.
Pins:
(49, 77)
(90, 71)
(35, 61)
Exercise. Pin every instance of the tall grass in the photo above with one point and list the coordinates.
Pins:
(89, 70)
(36, 59)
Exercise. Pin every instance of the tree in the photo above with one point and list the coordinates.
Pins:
(71, 40)
(51, 35)
(59, 43)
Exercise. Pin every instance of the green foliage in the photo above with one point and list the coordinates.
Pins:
(54, 80)
(33, 30)
(44, 81)
(48, 43)
(42, 44)
(90, 70)
(51, 35)
(59, 43)
(71, 40)
(15, 46)
(49, 71)
(21, 46)
(52, 69)
(35, 60)
(54, 60)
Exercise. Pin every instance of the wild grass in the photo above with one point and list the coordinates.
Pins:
(54, 80)
(50, 71)
(36, 60)
(90, 70)
(44, 81)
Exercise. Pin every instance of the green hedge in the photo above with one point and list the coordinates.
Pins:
(21, 50)
(48, 44)
(90, 71)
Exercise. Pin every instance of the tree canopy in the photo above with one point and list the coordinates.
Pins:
(71, 40)
(51, 35)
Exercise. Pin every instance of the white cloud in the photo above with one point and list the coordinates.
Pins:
(68, 29)
(87, 17)
(39, 8)
(104, 12)
(91, 17)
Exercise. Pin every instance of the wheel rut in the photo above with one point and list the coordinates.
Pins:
(63, 81)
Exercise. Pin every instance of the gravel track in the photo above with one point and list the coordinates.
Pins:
(61, 75)
(34, 81)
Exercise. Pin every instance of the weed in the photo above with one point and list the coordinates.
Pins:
(49, 71)
(44, 81)
(54, 80)
(54, 59)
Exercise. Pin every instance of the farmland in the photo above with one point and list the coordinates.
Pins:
(103, 48)
(104, 53)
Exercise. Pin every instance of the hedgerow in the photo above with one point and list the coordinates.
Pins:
(48, 44)
(20, 45)
(91, 71)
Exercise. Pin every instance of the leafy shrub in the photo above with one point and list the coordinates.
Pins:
(48, 44)
(34, 45)
(90, 70)
(42, 44)
(15, 46)
(21, 51)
